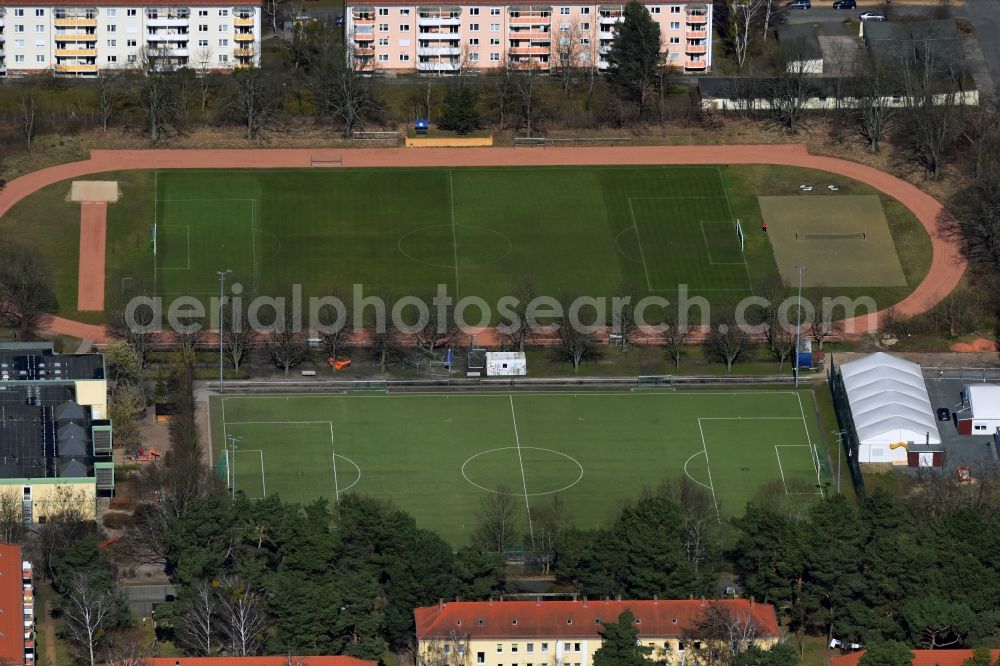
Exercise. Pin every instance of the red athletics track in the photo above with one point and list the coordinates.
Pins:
(947, 265)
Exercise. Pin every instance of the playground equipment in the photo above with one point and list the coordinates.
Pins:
(338, 365)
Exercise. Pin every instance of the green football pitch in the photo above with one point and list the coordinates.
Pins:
(480, 231)
(437, 455)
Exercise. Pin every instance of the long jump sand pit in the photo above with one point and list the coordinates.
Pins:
(94, 191)
(844, 241)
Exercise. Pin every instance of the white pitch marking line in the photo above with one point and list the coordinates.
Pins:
(805, 425)
(780, 469)
(333, 457)
(732, 214)
(704, 447)
(638, 238)
(524, 479)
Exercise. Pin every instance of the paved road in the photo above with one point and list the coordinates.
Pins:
(985, 16)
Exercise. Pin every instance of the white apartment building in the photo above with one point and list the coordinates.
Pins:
(396, 35)
(82, 39)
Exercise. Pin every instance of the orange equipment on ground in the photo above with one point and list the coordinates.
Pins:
(338, 365)
(964, 474)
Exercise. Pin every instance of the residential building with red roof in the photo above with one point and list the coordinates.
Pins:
(17, 613)
(567, 633)
(920, 658)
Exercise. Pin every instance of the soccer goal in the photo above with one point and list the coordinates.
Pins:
(326, 160)
(849, 235)
(153, 238)
(740, 235)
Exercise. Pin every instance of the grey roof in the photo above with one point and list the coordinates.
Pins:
(71, 431)
(28, 429)
(70, 411)
(723, 87)
(892, 41)
(74, 446)
(801, 40)
(73, 468)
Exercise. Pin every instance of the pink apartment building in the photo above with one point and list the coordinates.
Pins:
(398, 36)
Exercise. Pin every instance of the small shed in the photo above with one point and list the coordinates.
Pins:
(506, 364)
(980, 413)
(801, 47)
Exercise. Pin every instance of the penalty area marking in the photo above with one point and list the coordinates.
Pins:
(780, 469)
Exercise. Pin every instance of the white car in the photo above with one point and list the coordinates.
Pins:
(872, 16)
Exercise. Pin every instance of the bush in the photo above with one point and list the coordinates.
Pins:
(117, 520)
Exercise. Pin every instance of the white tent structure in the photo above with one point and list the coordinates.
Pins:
(890, 408)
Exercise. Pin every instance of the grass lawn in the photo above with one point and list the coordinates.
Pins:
(480, 231)
(437, 455)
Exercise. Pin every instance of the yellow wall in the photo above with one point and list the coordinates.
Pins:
(49, 496)
(93, 392)
(448, 142)
(545, 652)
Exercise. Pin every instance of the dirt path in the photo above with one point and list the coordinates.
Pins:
(50, 635)
(93, 241)
(947, 265)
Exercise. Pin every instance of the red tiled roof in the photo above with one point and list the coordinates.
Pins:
(11, 605)
(256, 661)
(920, 657)
(574, 619)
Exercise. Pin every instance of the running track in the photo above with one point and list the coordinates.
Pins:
(944, 275)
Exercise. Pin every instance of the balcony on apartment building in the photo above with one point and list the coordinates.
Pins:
(3, 14)
(695, 48)
(244, 37)
(168, 17)
(80, 52)
(244, 52)
(439, 16)
(696, 65)
(438, 66)
(697, 17)
(364, 33)
(433, 33)
(529, 17)
(175, 35)
(75, 17)
(243, 21)
(75, 36)
(438, 49)
(526, 64)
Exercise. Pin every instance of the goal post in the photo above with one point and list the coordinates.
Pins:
(326, 160)
(152, 235)
(740, 235)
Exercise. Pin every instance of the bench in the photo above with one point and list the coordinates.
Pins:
(308, 373)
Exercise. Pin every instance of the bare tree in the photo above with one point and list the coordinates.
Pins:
(498, 522)
(451, 651)
(514, 334)
(141, 337)
(198, 622)
(243, 621)
(576, 344)
(12, 528)
(29, 112)
(344, 86)
(871, 94)
(743, 16)
(237, 337)
(440, 328)
(527, 83)
(254, 100)
(88, 611)
(791, 87)
(549, 522)
(959, 313)
(110, 95)
(623, 319)
(822, 328)
(155, 92)
(25, 288)
(286, 346)
(675, 335)
(206, 78)
(728, 342)
(568, 59)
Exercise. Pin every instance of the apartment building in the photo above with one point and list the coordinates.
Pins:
(395, 35)
(17, 612)
(568, 633)
(82, 39)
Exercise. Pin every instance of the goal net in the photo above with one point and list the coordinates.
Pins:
(740, 235)
(153, 238)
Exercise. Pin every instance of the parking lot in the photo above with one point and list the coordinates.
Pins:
(975, 451)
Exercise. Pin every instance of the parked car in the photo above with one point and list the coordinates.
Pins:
(944, 414)
(799, 4)
(845, 4)
(872, 16)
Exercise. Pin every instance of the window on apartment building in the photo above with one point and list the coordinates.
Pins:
(680, 646)
(223, 12)
(584, 26)
(545, 647)
(585, 41)
(473, 57)
(494, 11)
(403, 27)
(39, 58)
(494, 27)
(564, 11)
(473, 11)
(566, 647)
(494, 42)
(513, 647)
(494, 57)
(39, 12)
(447, 649)
(383, 27)
(675, 9)
(480, 657)
(131, 12)
(112, 58)
(131, 42)
(202, 27)
(404, 12)
(223, 57)
(654, 10)
(112, 12)
(474, 41)
(202, 12)
(675, 40)
(223, 42)
(202, 42)
(39, 43)
(675, 25)
(383, 11)
(474, 27)
(40, 27)
(19, 58)
(132, 58)
(18, 43)
(18, 28)
(531, 647)
(585, 10)
(576, 647)
(18, 12)
(223, 27)
(112, 43)
(383, 41)
(499, 647)
(383, 57)
(404, 57)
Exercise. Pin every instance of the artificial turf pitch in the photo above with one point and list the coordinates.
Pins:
(480, 231)
(437, 455)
